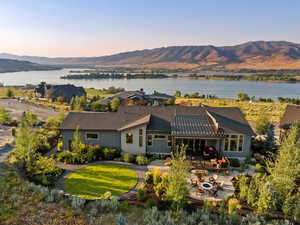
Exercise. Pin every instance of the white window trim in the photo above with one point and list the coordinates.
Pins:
(92, 139)
(238, 143)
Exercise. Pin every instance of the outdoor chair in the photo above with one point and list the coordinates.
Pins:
(220, 185)
(211, 180)
(200, 191)
(194, 183)
(215, 177)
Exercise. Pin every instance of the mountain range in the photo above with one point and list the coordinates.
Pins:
(256, 55)
(10, 65)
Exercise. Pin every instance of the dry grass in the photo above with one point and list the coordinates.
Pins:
(251, 110)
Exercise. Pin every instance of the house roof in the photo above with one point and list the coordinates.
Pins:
(139, 122)
(193, 126)
(157, 118)
(66, 90)
(291, 116)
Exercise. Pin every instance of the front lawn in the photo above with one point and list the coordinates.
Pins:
(92, 181)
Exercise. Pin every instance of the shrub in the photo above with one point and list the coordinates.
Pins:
(160, 190)
(141, 194)
(66, 157)
(156, 176)
(107, 195)
(13, 131)
(233, 204)
(149, 177)
(128, 157)
(150, 203)
(234, 162)
(259, 168)
(142, 160)
(110, 154)
(60, 146)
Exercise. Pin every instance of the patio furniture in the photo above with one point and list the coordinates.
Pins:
(215, 176)
(211, 180)
(213, 192)
(200, 191)
(201, 179)
(194, 182)
(220, 185)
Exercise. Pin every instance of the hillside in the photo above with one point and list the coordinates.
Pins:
(10, 65)
(258, 55)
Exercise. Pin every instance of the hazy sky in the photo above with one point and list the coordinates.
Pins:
(101, 27)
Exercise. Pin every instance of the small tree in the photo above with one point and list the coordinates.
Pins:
(263, 124)
(30, 118)
(177, 94)
(26, 144)
(76, 144)
(4, 116)
(10, 93)
(115, 104)
(177, 189)
(243, 97)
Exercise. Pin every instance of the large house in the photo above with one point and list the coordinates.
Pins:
(290, 117)
(139, 97)
(64, 92)
(159, 129)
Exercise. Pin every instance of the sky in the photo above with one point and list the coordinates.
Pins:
(73, 28)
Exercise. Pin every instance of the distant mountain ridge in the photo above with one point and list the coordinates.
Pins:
(10, 65)
(251, 55)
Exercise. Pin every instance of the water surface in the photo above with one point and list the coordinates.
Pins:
(220, 88)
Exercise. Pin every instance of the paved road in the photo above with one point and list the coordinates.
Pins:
(16, 109)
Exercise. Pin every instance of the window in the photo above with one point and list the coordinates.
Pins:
(129, 138)
(241, 143)
(91, 136)
(159, 136)
(169, 140)
(149, 140)
(234, 143)
(141, 137)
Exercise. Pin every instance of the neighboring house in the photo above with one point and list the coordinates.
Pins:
(63, 92)
(159, 129)
(290, 117)
(139, 98)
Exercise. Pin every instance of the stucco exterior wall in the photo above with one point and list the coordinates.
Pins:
(134, 148)
(109, 139)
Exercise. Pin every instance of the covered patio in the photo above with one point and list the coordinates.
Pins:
(200, 133)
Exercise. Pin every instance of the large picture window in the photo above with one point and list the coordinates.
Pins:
(129, 138)
(91, 136)
(234, 143)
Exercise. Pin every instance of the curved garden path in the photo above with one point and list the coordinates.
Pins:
(70, 168)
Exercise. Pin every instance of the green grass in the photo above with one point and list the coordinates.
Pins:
(92, 181)
(91, 92)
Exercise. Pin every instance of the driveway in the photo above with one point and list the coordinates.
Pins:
(17, 108)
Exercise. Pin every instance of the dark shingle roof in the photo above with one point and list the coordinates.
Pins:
(291, 116)
(160, 118)
(193, 126)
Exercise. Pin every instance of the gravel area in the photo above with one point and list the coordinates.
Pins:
(16, 109)
(69, 168)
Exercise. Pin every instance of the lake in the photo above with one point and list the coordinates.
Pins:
(220, 88)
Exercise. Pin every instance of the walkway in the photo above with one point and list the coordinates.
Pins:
(70, 168)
